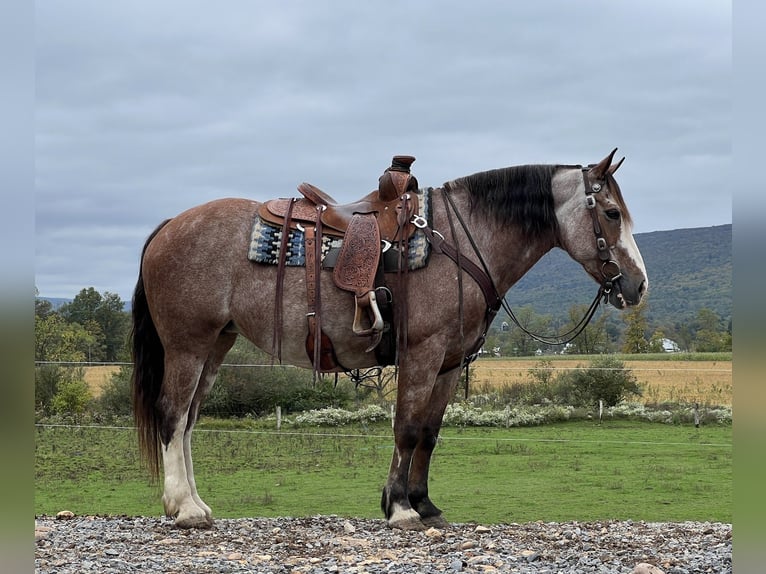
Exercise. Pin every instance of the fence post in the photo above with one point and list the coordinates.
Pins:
(392, 416)
(696, 415)
(600, 410)
(279, 418)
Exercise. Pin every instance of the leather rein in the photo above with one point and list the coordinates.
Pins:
(610, 270)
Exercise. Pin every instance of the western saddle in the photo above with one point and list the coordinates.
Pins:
(370, 226)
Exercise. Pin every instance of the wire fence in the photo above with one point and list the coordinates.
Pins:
(476, 364)
(442, 437)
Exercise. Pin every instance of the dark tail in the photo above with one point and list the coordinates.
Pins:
(148, 370)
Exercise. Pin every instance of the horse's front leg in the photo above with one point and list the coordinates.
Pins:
(414, 388)
(395, 500)
(442, 393)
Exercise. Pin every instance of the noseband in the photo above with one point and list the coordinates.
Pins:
(610, 269)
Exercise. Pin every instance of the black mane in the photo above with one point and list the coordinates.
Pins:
(514, 195)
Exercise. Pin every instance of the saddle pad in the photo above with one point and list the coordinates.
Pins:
(266, 239)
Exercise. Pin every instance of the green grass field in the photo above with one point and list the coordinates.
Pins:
(574, 471)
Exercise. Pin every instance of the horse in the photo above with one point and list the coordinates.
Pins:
(197, 292)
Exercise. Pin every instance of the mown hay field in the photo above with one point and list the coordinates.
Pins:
(704, 382)
(97, 377)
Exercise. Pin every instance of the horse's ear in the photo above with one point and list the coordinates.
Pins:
(616, 166)
(599, 170)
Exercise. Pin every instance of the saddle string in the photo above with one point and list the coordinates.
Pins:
(276, 338)
(317, 278)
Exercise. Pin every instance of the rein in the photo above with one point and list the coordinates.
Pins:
(484, 280)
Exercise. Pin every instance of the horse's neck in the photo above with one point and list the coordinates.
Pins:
(504, 248)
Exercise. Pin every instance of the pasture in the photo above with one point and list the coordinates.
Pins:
(574, 471)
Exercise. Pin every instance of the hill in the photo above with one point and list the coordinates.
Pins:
(689, 269)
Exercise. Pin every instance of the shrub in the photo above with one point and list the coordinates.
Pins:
(116, 395)
(241, 391)
(71, 398)
(49, 381)
(606, 379)
(465, 414)
(339, 417)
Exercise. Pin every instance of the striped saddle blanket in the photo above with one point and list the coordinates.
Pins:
(266, 240)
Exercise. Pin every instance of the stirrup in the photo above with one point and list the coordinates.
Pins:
(368, 300)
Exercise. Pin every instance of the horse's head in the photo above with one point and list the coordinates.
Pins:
(595, 228)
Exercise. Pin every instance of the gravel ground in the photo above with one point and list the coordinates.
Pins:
(117, 545)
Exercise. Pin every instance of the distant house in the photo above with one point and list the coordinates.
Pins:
(569, 347)
(670, 346)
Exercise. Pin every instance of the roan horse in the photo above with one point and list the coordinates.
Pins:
(197, 291)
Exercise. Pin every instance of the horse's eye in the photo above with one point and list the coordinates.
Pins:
(613, 214)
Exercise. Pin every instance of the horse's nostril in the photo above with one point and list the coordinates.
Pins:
(642, 288)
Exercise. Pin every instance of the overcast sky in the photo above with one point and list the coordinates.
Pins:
(147, 108)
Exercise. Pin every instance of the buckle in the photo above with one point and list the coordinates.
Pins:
(419, 221)
(590, 201)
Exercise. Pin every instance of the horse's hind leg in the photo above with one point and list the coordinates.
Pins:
(209, 373)
(182, 376)
(188, 379)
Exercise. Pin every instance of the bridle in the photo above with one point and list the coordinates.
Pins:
(610, 279)
(610, 270)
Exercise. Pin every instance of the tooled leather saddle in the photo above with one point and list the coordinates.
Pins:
(369, 227)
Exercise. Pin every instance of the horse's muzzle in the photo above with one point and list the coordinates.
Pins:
(626, 294)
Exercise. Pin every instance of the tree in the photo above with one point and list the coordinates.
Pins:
(655, 342)
(58, 340)
(710, 336)
(43, 307)
(635, 332)
(104, 318)
(593, 338)
(518, 343)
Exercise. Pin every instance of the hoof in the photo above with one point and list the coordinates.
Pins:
(435, 522)
(198, 522)
(407, 523)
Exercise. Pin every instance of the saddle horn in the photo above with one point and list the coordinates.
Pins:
(397, 179)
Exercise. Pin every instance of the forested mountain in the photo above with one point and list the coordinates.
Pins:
(689, 269)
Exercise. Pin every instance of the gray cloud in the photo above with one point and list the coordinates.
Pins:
(145, 109)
